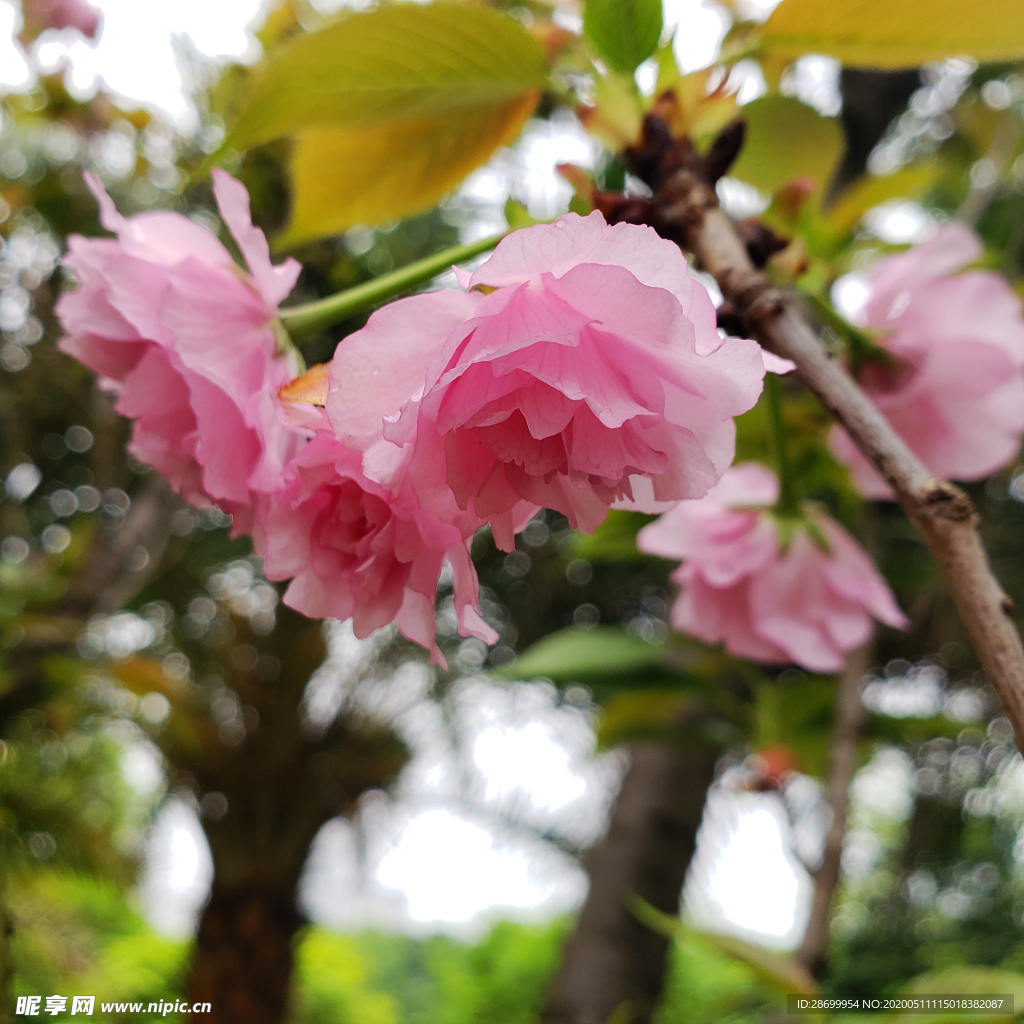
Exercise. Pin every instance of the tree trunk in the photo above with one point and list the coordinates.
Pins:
(242, 964)
(613, 967)
(871, 100)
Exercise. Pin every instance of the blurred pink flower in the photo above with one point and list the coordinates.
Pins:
(580, 367)
(359, 550)
(803, 604)
(186, 340)
(40, 15)
(956, 391)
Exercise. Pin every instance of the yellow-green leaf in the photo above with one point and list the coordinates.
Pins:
(898, 33)
(873, 190)
(787, 139)
(776, 968)
(389, 170)
(964, 980)
(392, 108)
(402, 62)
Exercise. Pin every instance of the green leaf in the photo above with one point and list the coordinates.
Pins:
(797, 714)
(897, 33)
(575, 655)
(645, 714)
(910, 730)
(872, 190)
(969, 981)
(391, 109)
(786, 140)
(614, 541)
(611, 661)
(402, 62)
(623, 32)
(777, 969)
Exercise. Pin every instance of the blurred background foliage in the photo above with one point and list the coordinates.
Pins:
(128, 619)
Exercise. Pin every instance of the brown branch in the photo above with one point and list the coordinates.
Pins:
(688, 213)
(849, 721)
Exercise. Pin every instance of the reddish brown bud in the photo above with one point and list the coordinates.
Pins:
(724, 150)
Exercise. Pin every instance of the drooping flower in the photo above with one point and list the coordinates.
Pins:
(955, 389)
(186, 341)
(354, 548)
(580, 367)
(806, 598)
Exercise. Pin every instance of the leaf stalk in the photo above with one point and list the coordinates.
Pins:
(304, 321)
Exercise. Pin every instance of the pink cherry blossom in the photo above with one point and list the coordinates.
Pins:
(580, 366)
(355, 549)
(801, 604)
(956, 390)
(43, 14)
(186, 341)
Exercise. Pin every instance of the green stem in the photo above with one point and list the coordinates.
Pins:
(860, 345)
(839, 324)
(302, 322)
(789, 501)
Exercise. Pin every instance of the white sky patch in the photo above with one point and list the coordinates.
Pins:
(142, 769)
(900, 222)
(884, 786)
(134, 57)
(814, 80)
(14, 71)
(529, 759)
(178, 870)
(917, 694)
(701, 28)
(745, 879)
(850, 294)
(451, 869)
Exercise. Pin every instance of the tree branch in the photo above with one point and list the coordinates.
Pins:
(849, 722)
(687, 211)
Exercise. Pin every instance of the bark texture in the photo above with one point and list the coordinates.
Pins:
(849, 721)
(265, 788)
(242, 964)
(613, 967)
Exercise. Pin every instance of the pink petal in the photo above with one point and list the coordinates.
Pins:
(376, 370)
(274, 283)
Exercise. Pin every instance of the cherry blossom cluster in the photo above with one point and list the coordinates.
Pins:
(953, 383)
(578, 369)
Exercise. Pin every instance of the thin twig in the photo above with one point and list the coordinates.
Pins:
(849, 721)
(688, 212)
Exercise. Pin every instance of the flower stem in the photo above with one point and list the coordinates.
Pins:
(860, 344)
(302, 322)
(789, 502)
